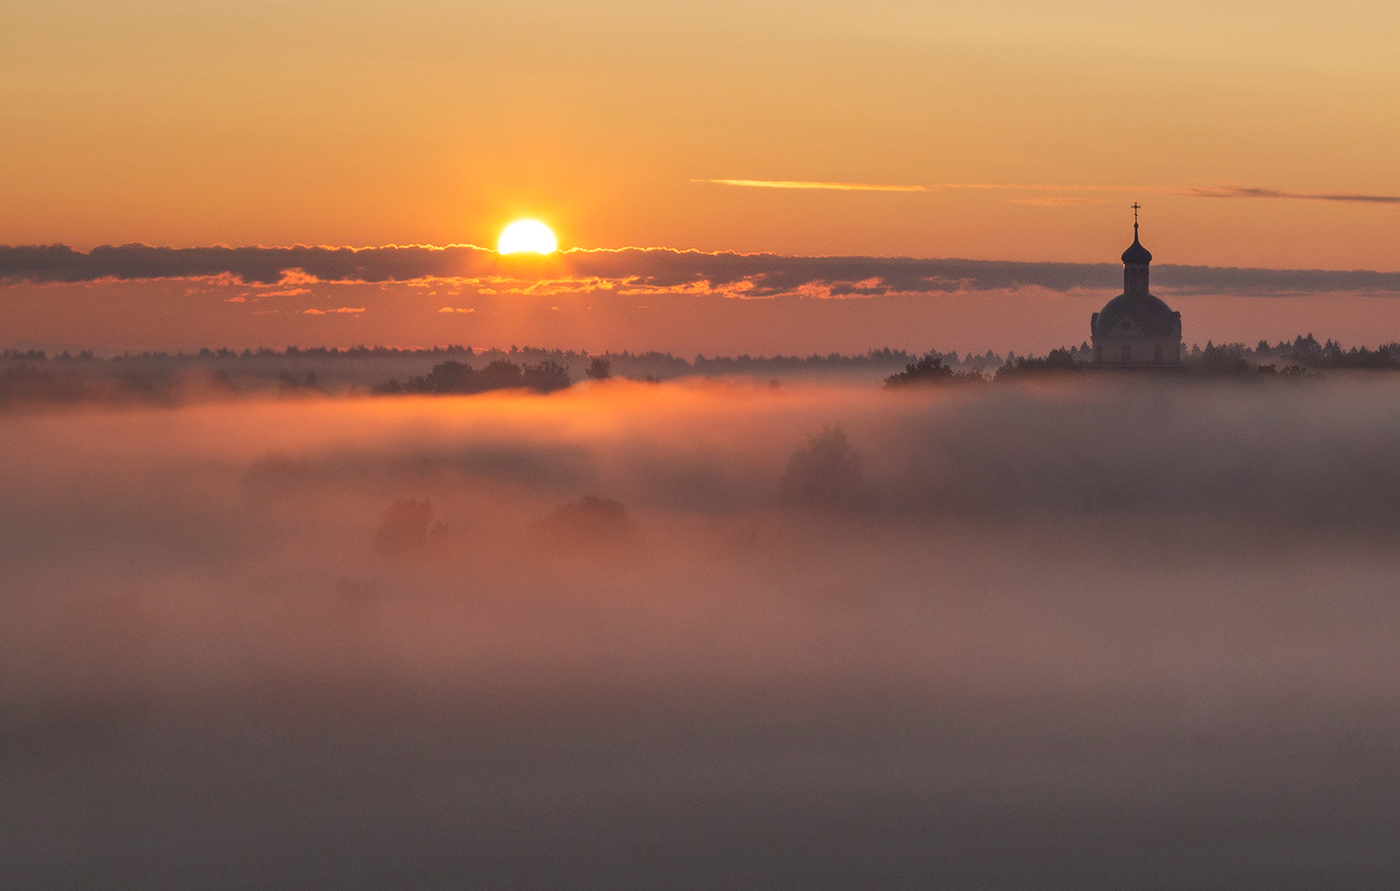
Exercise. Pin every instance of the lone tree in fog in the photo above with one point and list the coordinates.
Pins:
(449, 377)
(499, 374)
(546, 377)
(406, 529)
(593, 521)
(825, 471)
(599, 369)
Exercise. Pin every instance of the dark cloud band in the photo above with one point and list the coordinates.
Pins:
(652, 269)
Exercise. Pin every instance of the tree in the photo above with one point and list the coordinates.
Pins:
(931, 370)
(591, 522)
(546, 377)
(406, 529)
(449, 377)
(599, 369)
(825, 471)
(499, 375)
(1056, 361)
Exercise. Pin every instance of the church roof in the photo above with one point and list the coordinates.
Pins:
(1143, 314)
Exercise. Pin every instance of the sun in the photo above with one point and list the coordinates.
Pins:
(524, 236)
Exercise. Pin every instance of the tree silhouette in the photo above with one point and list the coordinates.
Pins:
(546, 377)
(1059, 361)
(449, 377)
(930, 370)
(406, 529)
(591, 522)
(599, 369)
(824, 471)
(499, 375)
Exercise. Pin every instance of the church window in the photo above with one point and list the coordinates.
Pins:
(1157, 353)
(1127, 353)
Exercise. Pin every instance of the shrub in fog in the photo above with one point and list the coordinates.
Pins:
(592, 521)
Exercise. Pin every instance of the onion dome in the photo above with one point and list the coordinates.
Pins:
(1136, 254)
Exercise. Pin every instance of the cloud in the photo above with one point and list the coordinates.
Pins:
(799, 184)
(642, 271)
(1057, 201)
(1039, 187)
(1247, 192)
(1184, 191)
(255, 265)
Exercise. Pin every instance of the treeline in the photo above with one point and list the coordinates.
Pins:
(459, 377)
(1304, 350)
(34, 376)
(930, 370)
(652, 363)
(27, 383)
(1303, 355)
(205, 353)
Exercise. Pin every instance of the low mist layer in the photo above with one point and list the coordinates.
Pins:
(696, 634)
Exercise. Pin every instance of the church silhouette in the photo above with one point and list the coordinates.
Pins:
(1136, 330)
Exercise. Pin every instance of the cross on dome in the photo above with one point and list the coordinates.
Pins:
(1136, 254)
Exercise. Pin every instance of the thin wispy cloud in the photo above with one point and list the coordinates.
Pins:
(799, 184)
(1039, 187)
(1178, 190)
(1183, 191)
(1057, 201)
(1245, 192)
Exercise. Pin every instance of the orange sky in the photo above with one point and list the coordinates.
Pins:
(434, 122)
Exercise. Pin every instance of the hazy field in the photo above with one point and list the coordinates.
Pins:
(1105, 634)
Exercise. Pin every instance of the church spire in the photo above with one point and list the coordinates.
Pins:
(1136, 254)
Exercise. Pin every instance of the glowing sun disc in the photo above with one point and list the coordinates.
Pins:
(527, 236)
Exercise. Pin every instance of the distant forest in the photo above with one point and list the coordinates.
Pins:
(35, 376)
(1303, 355)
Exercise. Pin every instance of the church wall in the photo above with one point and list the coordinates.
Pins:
(1108, 350)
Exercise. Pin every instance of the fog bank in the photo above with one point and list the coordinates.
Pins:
(1106, 633)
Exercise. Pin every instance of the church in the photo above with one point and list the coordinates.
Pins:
(1136, 330)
